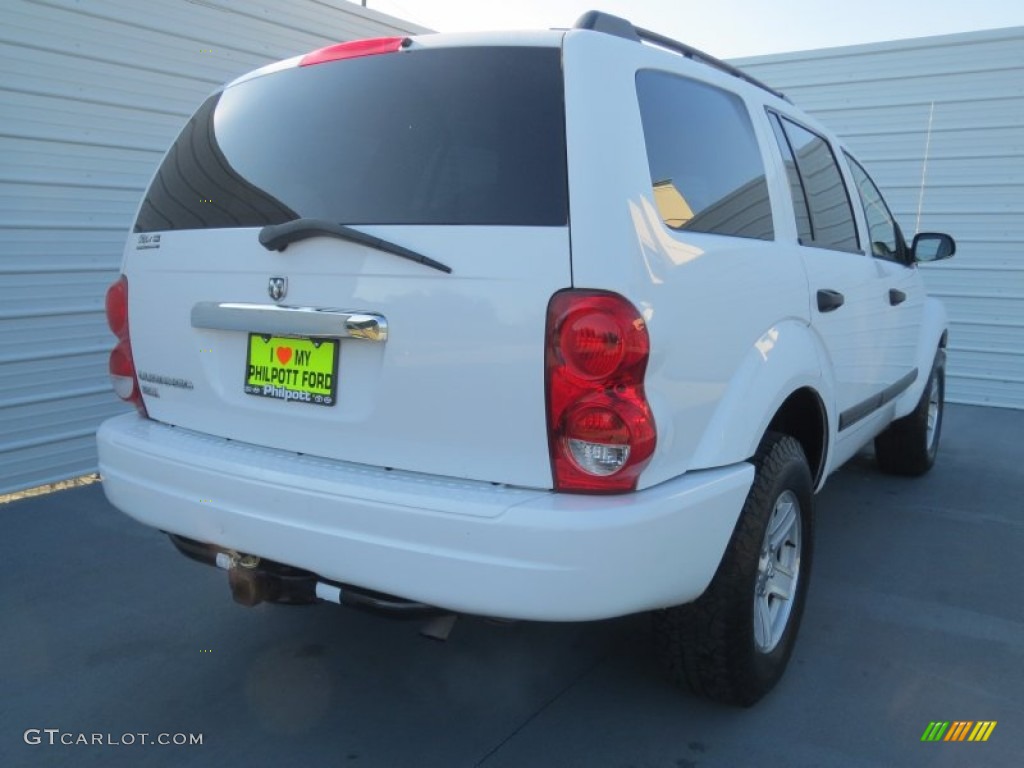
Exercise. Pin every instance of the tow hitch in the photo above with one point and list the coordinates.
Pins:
(254, 580)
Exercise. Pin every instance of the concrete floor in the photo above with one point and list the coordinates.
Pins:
(916, 613)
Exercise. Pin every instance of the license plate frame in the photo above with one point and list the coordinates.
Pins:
(292, 369)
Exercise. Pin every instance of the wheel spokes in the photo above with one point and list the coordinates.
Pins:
(762, 621)
(781, 583)
(778, 571)
(934, 406)
(781, 526)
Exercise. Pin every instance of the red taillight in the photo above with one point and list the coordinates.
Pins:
(354, 49)
(591, 343)
(600, 428)
(122, 364)
(117, 308)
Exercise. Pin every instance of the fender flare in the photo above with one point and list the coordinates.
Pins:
(786, 358)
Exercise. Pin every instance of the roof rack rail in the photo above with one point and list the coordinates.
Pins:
(599, 21)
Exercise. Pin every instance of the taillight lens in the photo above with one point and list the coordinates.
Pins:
(122, 370)
(122, 364)
(600, 427)
(354, 49)
(117, 308)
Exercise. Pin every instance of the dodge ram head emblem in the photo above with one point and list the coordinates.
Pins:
(278, 288)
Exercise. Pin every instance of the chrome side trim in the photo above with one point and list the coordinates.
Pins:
(290, 321)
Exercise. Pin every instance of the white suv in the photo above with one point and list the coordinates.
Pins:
(559, 325)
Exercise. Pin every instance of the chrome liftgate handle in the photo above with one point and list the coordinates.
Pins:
(290, 321)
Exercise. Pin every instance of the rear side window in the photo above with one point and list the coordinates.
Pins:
(821, 192)
(796, 185)
(471, 136)
(707, 172)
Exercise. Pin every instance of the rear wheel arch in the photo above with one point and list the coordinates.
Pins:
(783, 376)
(802, 415)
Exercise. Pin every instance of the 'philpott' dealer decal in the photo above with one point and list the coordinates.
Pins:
(295, 370)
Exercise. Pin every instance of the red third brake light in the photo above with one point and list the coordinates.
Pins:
(600, 427)
(354, 49)
(122, 364)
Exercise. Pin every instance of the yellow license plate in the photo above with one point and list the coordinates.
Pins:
(293, 370)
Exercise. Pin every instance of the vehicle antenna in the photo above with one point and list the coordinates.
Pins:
(924, 167)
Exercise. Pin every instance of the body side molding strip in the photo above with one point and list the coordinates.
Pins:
(865, 408)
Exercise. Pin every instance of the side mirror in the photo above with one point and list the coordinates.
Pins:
(932, 246)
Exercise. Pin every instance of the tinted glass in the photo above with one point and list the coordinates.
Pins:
(796, 185)
(881, 224)
(706, 169)
(831, 215)
(453, 136)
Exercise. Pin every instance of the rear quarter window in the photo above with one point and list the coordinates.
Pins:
(707, 173)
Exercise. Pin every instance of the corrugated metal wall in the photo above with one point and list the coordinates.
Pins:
(92, 93)
(969, 89)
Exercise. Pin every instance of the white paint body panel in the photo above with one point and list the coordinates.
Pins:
(708, 300)
(733, 321)
(456, 390)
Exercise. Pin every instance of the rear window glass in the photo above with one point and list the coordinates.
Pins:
(452, 136)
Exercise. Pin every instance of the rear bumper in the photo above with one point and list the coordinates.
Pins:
(464, 546)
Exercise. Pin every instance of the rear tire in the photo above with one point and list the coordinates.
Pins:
(909, 445)
(733, 643)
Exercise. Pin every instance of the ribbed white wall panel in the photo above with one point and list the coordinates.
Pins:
(969, 88)
(92, 92)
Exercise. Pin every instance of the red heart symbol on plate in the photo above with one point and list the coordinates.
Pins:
(284, 354)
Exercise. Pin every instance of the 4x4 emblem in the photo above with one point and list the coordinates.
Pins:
(278, 288)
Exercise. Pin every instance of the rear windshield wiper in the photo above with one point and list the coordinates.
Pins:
(277, 237)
